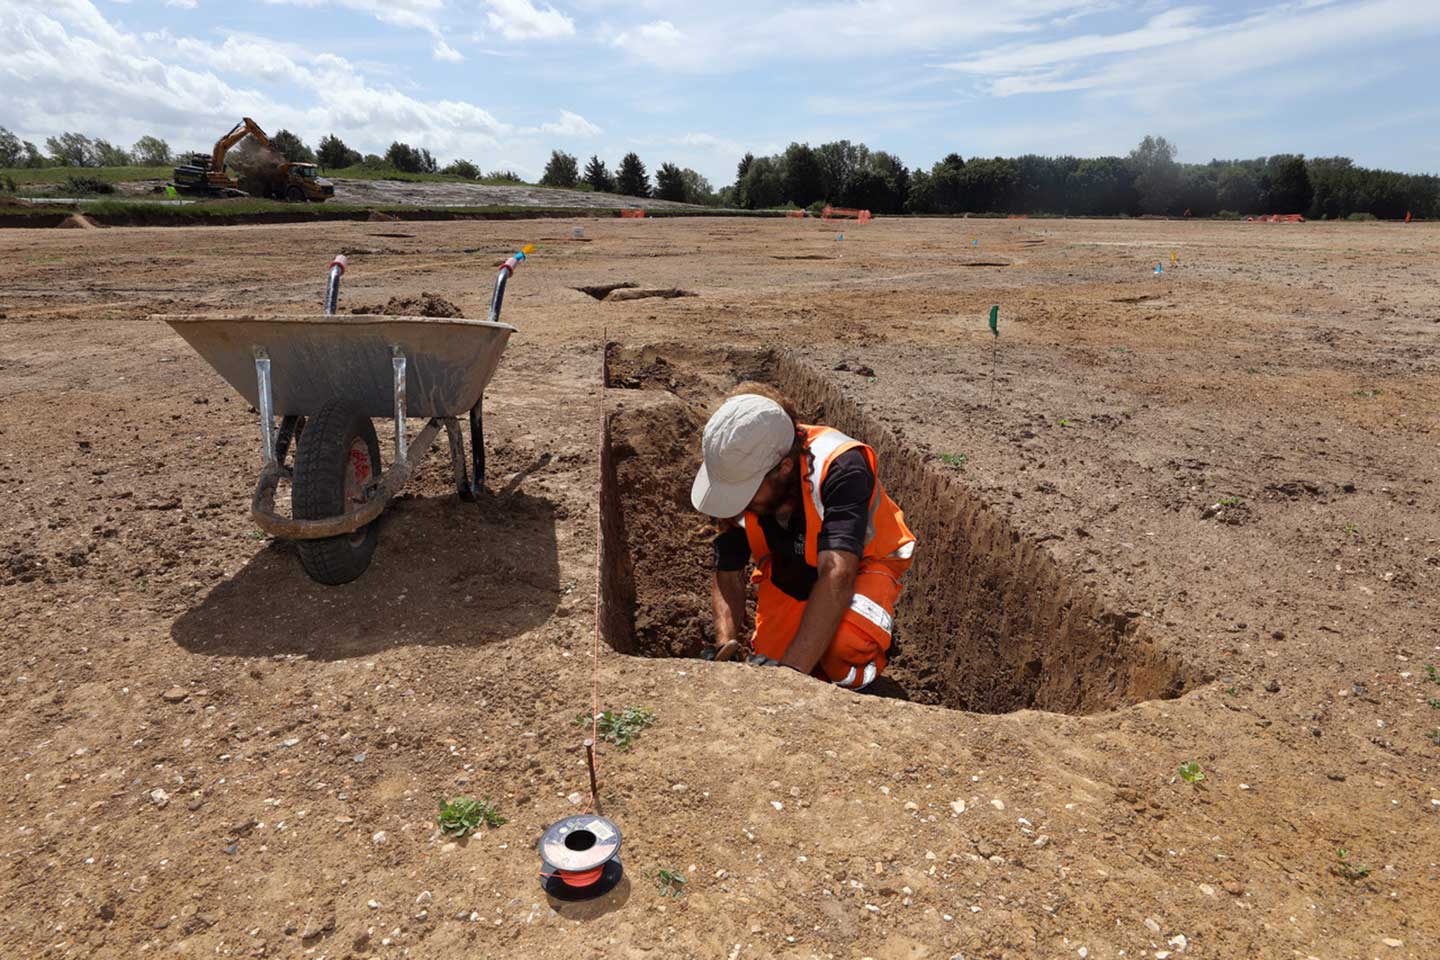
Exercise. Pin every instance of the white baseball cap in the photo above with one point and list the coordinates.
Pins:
(743, 441)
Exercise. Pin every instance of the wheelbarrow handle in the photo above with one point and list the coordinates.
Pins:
(497, 299)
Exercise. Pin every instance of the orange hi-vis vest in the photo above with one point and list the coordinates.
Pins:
(886, 537)
(857, 655)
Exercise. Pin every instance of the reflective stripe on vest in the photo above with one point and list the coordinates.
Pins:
(821, 450)
(873, 612)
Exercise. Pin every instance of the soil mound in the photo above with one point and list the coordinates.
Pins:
(425, 305)
(377, 216)
(77, 221)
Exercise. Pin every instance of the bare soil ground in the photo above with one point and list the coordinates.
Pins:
(1195, 518)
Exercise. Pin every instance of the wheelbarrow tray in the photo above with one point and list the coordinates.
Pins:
(313, 359)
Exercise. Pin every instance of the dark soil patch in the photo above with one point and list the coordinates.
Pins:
(802, 256)
(989, 622)
(985, 263)
(1142, 298)
(602, 290)
(397, 236)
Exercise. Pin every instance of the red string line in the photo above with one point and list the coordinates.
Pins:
(595, 650)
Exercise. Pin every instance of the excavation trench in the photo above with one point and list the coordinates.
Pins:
(988, 621)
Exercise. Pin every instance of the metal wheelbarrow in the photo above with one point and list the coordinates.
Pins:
(326, 377)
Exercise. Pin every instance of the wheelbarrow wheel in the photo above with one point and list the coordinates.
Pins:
(338, 456)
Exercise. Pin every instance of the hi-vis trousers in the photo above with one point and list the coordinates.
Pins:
(857, 654)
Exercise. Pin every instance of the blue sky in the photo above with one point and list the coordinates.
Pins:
(502, 82)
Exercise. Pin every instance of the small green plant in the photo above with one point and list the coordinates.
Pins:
(1342, 867)
(1434, 703)
(1367, 394)
(1232, 691)
(1191, 773)
(954, 459)
(1252, 370)
(670, 883)
(463, 816)
(1431, 672)
(1064, 422)
(621, 728)
(1231, 502)
(1351, 530)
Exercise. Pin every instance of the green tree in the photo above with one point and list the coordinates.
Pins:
(1157, 175)
(598, 176)
(561, 171)
(763, 186)
(408, 159)
(1286, 185)
(109, 155)
(462, 168)
(697, 188)
(291, 147)
(632, 180)
(839, 162)
(669, 184)
(804, 181)
(71, 150)
(1237, 189)
(11, 149)
(152, 152)
(333, 154)
(743, 167)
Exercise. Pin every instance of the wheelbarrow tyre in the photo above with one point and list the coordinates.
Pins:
(326, 460)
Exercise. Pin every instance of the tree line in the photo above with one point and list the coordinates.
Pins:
(1148, 180)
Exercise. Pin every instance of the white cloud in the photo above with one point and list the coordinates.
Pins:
(714, 38)
(1180, 50)
(66, 67)
(413, 14)
(571, 125)
(522, 20)
(443, 51)
(183, 4)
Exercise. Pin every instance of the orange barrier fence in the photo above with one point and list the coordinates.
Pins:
(1277, 218)
(844, 213)
(797, 214)
(632, 214)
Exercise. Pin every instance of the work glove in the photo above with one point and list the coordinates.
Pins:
(760, 660)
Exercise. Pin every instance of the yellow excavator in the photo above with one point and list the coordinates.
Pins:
(271, 177)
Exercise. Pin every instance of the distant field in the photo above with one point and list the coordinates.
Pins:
(23, 175)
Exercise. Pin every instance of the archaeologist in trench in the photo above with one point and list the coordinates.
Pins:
(803, 504)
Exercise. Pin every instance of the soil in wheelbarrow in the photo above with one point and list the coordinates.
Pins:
(425, 305)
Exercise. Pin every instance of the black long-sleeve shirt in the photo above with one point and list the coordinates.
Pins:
(846, 494)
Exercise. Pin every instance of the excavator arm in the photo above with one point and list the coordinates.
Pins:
(246, 127)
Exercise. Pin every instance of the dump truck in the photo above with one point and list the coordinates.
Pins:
(268, 174)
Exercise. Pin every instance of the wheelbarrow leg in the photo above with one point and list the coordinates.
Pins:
(290, 428)
(457, 458)
(477, 446)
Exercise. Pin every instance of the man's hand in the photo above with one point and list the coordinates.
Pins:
(830, 598)
(720, 652)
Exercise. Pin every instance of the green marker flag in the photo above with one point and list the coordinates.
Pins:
(995, 319)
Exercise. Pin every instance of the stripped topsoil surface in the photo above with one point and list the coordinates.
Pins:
(1189, 518)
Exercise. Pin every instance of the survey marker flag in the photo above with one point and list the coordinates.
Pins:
(995, 319)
